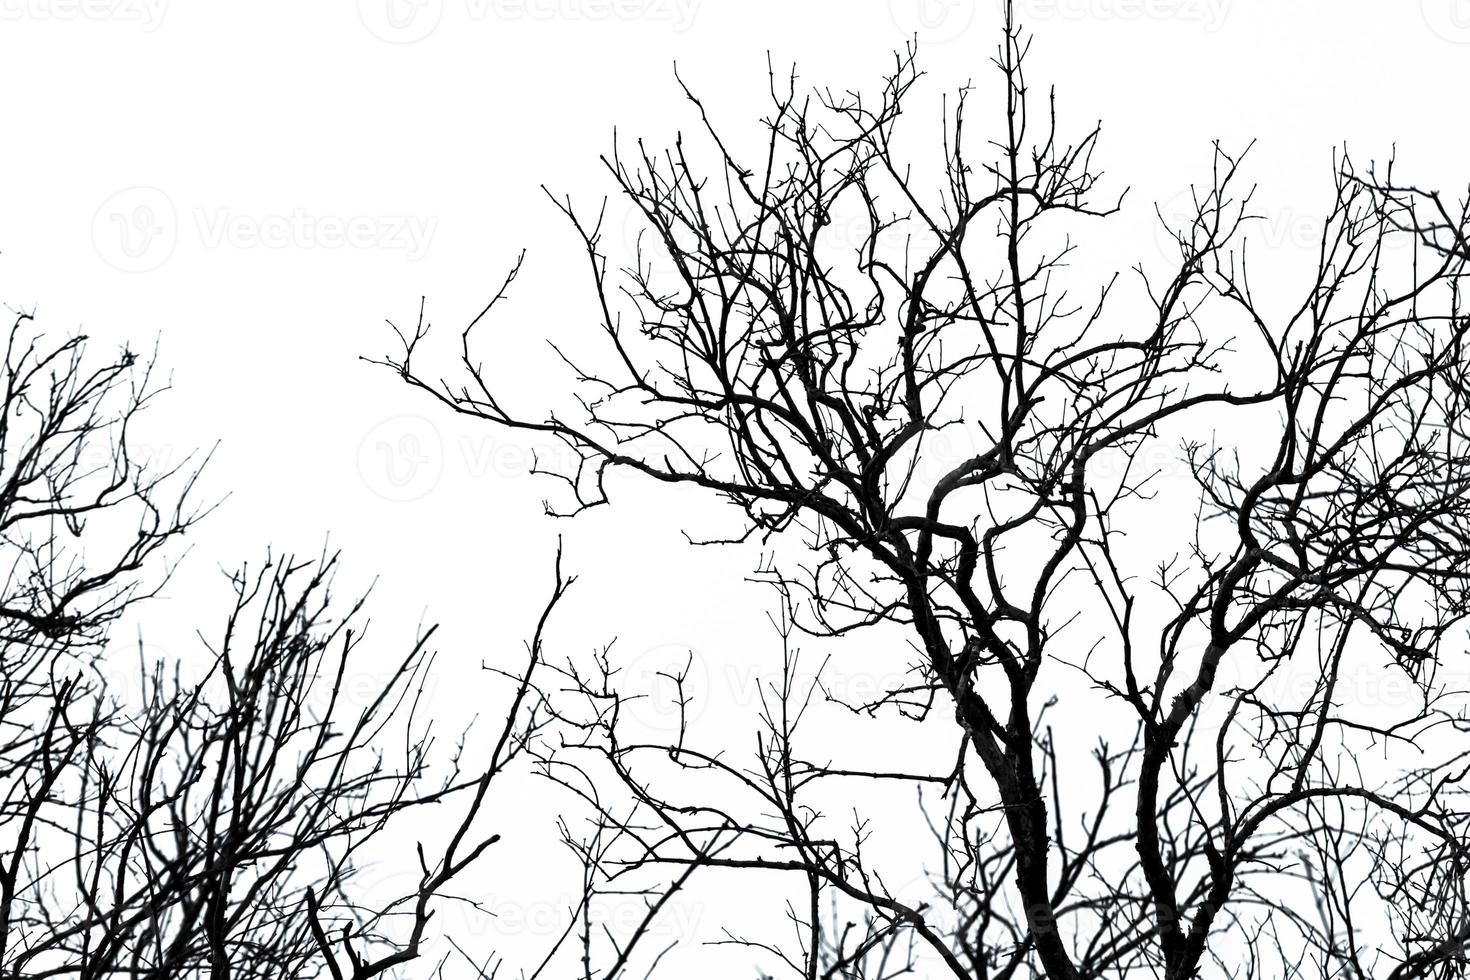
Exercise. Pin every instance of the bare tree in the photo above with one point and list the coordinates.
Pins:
(211, 822)
(1231, 819)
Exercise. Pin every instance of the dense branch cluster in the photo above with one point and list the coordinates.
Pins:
(163, 819)
(1238, 821)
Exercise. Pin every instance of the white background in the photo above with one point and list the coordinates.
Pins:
(189, 171)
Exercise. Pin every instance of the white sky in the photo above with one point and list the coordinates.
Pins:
(250, 140)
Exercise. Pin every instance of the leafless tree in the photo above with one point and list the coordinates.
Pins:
(1222, 798)
(208, 822)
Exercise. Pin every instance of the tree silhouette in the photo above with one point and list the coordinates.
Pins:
(1219, 798)
(203, 823)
